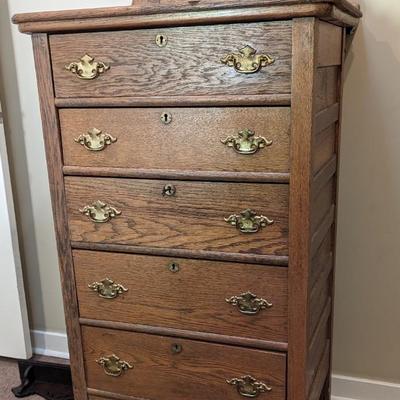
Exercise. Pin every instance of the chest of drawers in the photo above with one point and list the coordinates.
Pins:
(192, 152)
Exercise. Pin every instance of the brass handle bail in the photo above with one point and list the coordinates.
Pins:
(100, 212)
(248, 303)
(248, 221)
(247, 386)
(113, 365)
(247, 61)
(87, 68)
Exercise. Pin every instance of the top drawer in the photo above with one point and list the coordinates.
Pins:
(184, 61)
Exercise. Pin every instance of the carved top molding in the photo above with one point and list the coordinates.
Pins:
(185, 12)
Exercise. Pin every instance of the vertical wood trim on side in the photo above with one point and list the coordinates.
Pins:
(328, 385)
(303, 87)
(51, 133)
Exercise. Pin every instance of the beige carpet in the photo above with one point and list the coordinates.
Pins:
(9, 378)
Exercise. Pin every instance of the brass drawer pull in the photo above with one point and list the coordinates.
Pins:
(247, 61)
(248, 221)
(113, 365)
(100, 212)
(247, 386)
(246, 142)
(87, 68)
(107, 288)
(249, 304)
(95, 140)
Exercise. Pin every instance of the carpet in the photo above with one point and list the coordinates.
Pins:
(9, 378)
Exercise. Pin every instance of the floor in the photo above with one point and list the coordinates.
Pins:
(9, 378)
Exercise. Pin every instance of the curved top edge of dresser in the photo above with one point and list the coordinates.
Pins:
(186, 11)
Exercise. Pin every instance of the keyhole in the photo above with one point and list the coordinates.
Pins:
(166, 118)
(169, 190)
(173, 267)
(161, 40)
(176, 348)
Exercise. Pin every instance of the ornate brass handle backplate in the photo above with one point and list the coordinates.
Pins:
(248, 221)
(107, 288)
(95, 140)
(247, 386)
(100, 212)
(248, 303)
(113, 365)
(246, 142)
(87, 68)
(247, 61)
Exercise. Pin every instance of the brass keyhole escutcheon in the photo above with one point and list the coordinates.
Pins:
(169, 190)
(173, 267)
(176, 348)
(166, 118)
(161, 40)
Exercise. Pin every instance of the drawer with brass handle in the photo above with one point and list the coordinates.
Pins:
(202, 139)
(207, 216)
(131, 363)
(254, 59)
(233, 299)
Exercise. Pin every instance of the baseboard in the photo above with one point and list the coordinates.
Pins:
(351, 388)
(51, 344)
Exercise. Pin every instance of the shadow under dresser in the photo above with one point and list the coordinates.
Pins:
(192, 152)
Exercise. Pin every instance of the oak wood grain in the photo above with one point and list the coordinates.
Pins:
(78, 21)
(193, 219)
(303, 111)
(190, 64)
(192, 141)
(217, 176)
(199, 372)
(329, 45)
(326, 87)
(56, 180)
(281, 261)
(184, 334)
(240, 99)
(140, 7)
(158, 297)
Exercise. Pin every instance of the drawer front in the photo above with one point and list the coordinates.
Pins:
(189, 65)
(184, 294)
(200, 139)
(179, 214)
(175, 369)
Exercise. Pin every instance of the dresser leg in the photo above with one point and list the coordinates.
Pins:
(326, 391)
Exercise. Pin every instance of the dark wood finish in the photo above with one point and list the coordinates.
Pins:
(121, 17)
(193, 219)
(190, 64)
(199, 372)
(158, 297)
(197, 254)
(184, 334)
(191, 142)
(56, 179)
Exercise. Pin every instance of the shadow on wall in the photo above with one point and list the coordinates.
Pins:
(17, 153)
(367, 322)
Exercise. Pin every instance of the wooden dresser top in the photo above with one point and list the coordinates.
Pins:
(153, 13)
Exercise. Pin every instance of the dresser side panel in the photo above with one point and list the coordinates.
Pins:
(54, 163)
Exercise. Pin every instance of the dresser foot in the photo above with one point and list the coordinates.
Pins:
(50, 380)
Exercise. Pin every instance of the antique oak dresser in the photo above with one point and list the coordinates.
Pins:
(192, 150)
